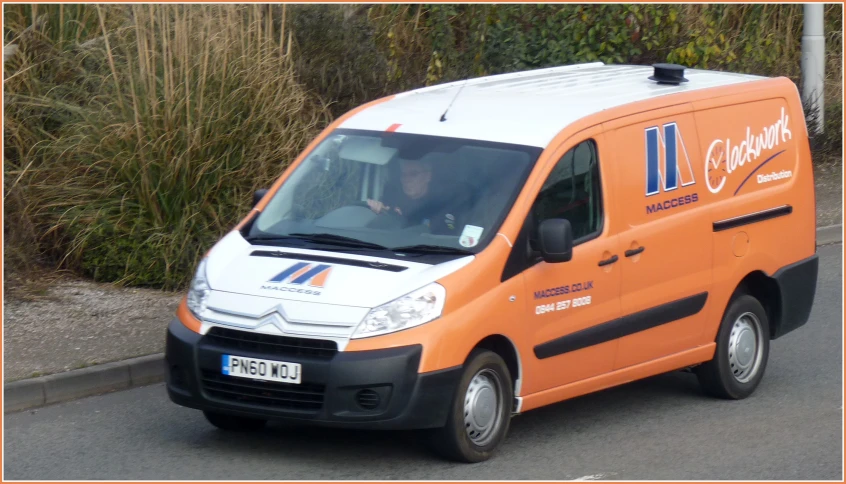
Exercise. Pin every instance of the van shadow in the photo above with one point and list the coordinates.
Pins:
(355, 449)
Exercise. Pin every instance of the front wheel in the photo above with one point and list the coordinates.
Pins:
(481, 410)
(743, 347)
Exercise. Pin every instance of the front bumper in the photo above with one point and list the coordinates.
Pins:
(332, 391)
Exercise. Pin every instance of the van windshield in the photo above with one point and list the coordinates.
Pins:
(396, 192)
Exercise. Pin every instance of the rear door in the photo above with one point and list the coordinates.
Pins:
(665, 235)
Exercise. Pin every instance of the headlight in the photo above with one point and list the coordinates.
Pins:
(413, 309)
(199, 291)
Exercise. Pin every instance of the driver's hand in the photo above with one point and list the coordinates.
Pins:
(377, 206)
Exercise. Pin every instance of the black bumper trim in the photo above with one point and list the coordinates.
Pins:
(797, 284)
(406, 399)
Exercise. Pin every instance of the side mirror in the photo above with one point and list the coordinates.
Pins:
(258, 195)
(555, 237)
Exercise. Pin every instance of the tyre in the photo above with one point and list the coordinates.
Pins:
(480, 413)
(743, 347)
(234, 423)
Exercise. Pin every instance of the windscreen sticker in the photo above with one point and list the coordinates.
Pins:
(470, 235)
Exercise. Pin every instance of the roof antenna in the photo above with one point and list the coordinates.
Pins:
(443, 116)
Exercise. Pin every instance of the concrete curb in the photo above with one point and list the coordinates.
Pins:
(830, 234)
(146, 370)
(70, 385)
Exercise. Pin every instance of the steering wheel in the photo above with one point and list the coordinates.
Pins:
(387, 219)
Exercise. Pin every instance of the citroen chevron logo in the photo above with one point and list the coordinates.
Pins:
(277, 321)
(300, 273)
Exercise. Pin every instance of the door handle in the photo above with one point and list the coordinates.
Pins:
(607, 261)
(632, 252)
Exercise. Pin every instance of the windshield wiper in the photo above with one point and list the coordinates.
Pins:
(431, 249)
(330, 239)
(340, 240)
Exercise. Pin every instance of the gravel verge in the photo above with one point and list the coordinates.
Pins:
(77, 323)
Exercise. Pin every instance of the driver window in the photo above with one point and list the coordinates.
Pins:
(572, 192)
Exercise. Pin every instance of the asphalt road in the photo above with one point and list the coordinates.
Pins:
(659, 428)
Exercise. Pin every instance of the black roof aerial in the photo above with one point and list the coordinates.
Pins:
(668, 74)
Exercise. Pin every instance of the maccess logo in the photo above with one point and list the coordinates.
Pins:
(673, 174)
(667, 141)
(314, 275)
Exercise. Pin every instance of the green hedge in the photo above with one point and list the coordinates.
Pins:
(159, 132)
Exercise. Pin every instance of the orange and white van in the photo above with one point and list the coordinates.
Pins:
(452, 256)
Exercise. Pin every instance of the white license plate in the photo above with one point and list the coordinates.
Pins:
(256, 369)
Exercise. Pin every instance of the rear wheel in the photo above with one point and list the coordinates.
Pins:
(234, 423)
(743, 347)
(481, 410)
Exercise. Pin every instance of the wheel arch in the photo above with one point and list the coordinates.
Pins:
(507, 350)
(766, 290)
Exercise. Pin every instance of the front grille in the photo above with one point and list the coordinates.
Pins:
(271, 344)
(283, 396)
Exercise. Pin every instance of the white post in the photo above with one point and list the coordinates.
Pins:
(813, 62)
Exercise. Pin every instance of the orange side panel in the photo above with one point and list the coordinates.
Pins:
(759, 150)
(669, 220)
(619, 377)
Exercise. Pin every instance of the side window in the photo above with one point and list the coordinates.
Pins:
(572, 192)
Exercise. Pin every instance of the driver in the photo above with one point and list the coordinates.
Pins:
(418, 201)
